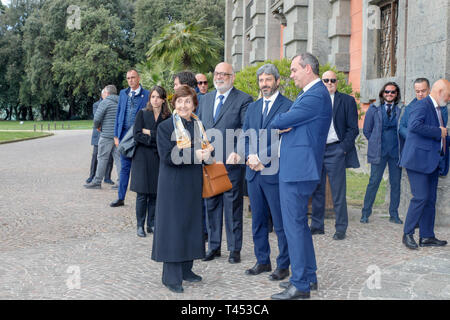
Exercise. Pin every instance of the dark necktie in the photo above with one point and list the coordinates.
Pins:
(389, 110)
(265, 111)
(130, 112)
(441, 123)
(219, 106)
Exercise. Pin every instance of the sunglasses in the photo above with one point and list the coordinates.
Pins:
(200, 83)
(390, 91)
(329, 80)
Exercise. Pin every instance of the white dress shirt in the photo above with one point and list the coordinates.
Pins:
(217, 100)
(332, 135)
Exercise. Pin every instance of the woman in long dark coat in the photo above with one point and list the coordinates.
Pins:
(178, 238)
(145, 164)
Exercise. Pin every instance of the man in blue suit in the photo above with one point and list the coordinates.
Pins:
(422, 90)
(131, 100)
(340, 153)
(261, 156)
(425, 156)
(304, 131)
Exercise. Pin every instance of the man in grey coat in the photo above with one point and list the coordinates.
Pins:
(105, 118)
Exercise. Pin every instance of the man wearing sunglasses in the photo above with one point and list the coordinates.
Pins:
(202, 83)
(340, 153)
(380, 129)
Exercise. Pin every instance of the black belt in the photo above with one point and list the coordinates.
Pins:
(330, 144)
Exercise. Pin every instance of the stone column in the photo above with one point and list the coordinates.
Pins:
(318, 42)
(296, 31)
(236, 34)
(339, 31)
(273, 32)
(257, 32)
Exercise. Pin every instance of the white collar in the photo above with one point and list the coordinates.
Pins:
(435, 104)
(309, 85)
(225, 95)
(136, 92)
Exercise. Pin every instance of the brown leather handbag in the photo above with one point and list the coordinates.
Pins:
(215, 180)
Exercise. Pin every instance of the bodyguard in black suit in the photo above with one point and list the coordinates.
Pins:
(340, 153)
(220, 111)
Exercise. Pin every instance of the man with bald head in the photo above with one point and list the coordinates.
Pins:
(340, 153)
(202, 83)
(224, 110)
(425, 157)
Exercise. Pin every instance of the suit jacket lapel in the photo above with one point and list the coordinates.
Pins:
(433, 111)
(336, 104)
(273, 111)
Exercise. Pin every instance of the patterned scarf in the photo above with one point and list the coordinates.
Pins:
(183, 136)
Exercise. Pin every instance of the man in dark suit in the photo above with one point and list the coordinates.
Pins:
(131, 100)
(425, 156)
(304, 131)
(224, 110)
(261, 156)
(340, 153)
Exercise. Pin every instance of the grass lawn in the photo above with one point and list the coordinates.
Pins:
(356, 189)
(17, 135)
(29, 125)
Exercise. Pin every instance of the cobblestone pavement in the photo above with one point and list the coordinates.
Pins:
(59, 240)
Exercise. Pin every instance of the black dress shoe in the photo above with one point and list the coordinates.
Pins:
(312, 285)
(192, 277)
(317, 231)
(211, 255)
(409, 242)
(150, 229)
(235, 257)
(431, 242)
(140, 232)
(89, 180)
(258, 268)
(108, 181)
(279, 274)
(291, 293)
(396, 220)
(175, 288)
(339, 236)
(117, 203)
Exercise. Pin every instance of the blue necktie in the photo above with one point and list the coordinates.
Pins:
(219, 106)
(265, 111)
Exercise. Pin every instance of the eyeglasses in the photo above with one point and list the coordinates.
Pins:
(329, 80)
(222, 74)
(390, 91)
(200, 83)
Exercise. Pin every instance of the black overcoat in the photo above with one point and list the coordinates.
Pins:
(178, 233)
(145, 164)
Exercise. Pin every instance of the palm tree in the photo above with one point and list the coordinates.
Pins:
(187, 46)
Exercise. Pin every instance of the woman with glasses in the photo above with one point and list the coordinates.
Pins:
(380, 129)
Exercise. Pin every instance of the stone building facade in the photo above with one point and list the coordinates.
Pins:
(372, 41)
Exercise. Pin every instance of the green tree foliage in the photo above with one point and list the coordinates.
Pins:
(246, 79)
(187, 46)
(151, 17)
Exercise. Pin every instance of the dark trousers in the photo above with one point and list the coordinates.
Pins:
(145, 207)
(94, 162)
(334, 167)
(125, 168)
(174, 272)
(376, 174)
(422, 208)
(230, 205)
(263, 196)
(294, 210)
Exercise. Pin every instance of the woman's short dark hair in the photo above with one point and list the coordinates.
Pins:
(186, 77)
(184, 91)
(397, 88)
(165, 112)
